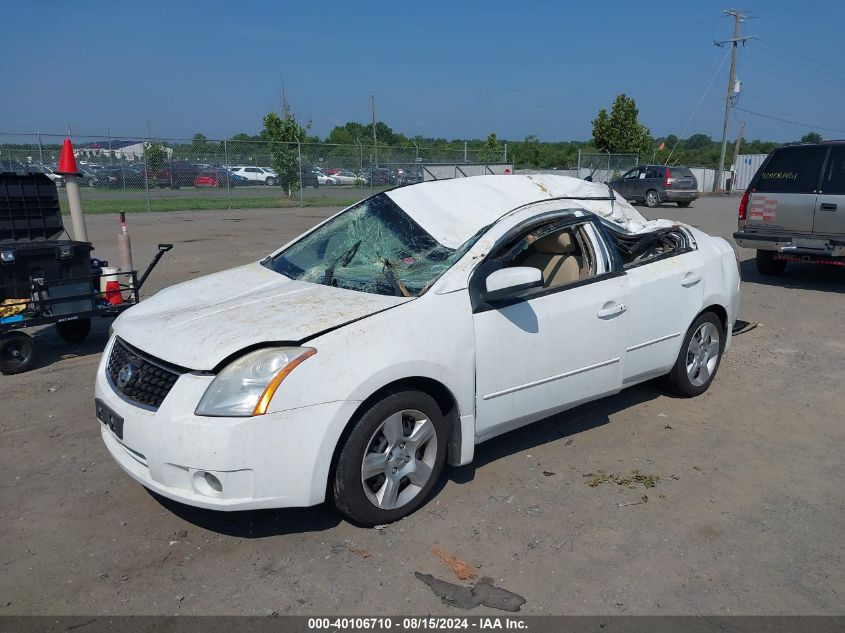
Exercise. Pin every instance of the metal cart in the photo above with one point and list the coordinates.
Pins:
(69, 303)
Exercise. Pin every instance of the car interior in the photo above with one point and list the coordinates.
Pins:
(563, 256)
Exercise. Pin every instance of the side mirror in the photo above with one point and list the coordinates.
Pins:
(508, 281)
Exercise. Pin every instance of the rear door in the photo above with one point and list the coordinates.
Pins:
(829, 218)
(783, 193)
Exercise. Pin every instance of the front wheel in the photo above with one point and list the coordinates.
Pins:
(699, 358)
(652, 199)
(768, 265)
(17, 352)
(392, 459)
(270, 182)
(685, 204)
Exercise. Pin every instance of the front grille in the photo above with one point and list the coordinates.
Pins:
(141, 378)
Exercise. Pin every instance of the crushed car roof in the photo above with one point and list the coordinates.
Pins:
(454, 210)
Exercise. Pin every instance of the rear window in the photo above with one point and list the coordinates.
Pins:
(681, 172)
(791, 170)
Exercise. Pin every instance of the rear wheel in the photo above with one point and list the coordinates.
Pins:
(699, 358)
(684, 205)
(768, 265)
(392, 459)
(74, 331)
(652, 199)
(17, 352)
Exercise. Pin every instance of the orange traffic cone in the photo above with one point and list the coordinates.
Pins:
(113, 295)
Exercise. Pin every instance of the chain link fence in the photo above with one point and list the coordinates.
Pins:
(605, 167)
(143, 174)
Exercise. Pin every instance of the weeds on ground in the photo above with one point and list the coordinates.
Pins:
(631, 481)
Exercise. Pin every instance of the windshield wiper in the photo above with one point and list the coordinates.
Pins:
(343, 260)
(399, 288)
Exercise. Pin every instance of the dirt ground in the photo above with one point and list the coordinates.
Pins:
(746, 516)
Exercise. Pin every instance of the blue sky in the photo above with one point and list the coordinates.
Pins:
(452, 69)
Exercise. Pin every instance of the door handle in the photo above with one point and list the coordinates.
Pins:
(690, 279)
(611, 309)
(827, 206)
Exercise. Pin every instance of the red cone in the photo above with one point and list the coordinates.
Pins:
(67, 163)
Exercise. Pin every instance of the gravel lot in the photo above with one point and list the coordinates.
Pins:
(747, 516)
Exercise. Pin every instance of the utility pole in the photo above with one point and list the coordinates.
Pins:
(736, 155)
(375, 148)
(738, 17)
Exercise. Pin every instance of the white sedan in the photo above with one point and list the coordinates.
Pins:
(346, 177)
(353, 362)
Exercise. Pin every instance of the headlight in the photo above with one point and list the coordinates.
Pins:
(246, 386)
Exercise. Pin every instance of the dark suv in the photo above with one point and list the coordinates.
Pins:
(653, 184)
(791, 212)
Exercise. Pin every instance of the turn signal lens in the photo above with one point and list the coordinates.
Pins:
(270, 390)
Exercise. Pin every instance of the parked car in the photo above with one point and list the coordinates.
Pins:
(256, 175)
(794, 207)
(379, 176)
(309, 179)
(47, 171)
(12, 166)
(219, 178)
(323, 179)
(346, 177)
(408, 175)
(176, 174)
(653, 184)
(550, 303)
(122, 176)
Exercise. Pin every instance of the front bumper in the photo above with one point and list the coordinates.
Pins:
(277, 460)
(789, 244)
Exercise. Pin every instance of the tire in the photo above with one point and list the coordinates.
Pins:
(652, 199)
(270, 182)
(74, 331)
(768, 265)
(17, 353)
(684, 205)
(704, 341)
(385, 429)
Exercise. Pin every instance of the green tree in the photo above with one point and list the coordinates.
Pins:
(621, 132)
(154, 156)
(698, 141)
(283, 133)
(490, 152)
(811, 137)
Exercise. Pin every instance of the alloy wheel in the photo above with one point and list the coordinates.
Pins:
(703, 354)
(399, 460)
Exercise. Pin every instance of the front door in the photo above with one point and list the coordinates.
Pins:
(554, 347)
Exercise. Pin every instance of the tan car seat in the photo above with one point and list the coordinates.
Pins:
(554, 256)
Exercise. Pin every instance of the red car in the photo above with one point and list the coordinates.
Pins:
(209, 179)
(217, 178)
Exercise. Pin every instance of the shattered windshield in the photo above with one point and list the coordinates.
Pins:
(374, 247)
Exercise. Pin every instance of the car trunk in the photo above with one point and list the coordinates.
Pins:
(683, 179)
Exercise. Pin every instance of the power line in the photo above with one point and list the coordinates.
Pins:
(810, 126)
(700, 101)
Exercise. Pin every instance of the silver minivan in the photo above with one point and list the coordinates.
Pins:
(794, 208)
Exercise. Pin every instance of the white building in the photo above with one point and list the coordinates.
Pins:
(128, 150)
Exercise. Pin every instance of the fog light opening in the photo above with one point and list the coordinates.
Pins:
(208, 484)
(213, 482)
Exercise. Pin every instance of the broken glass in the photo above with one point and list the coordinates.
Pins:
(374, 247)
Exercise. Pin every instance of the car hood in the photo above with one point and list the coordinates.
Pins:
(199, 323)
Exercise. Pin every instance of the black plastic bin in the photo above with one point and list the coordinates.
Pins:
(31, 251)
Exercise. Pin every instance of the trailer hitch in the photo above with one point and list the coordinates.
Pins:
(162, 249)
